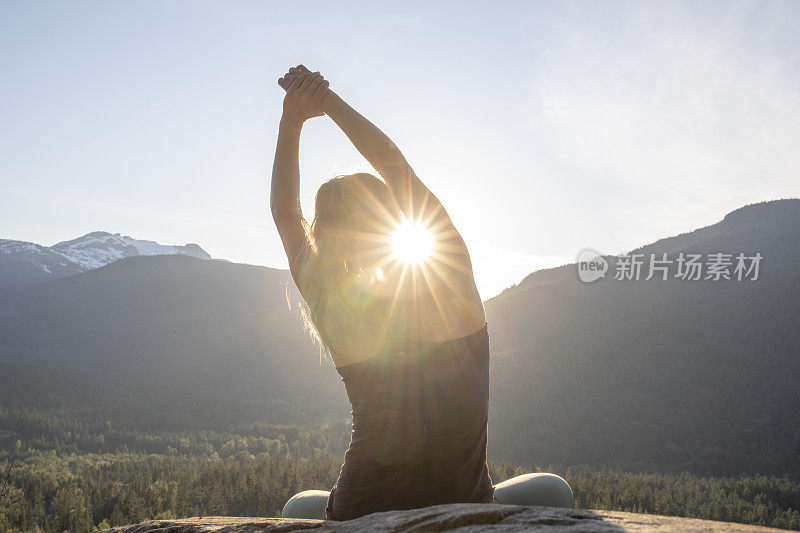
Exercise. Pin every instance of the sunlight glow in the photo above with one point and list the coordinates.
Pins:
(412, 243)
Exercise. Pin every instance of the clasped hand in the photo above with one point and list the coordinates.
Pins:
(305, 91)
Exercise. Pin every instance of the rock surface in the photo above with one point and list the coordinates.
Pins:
(462, 517)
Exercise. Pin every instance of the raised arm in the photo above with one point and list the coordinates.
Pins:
(452, 265)
(301, 103)
(416, 201)
(414, 198)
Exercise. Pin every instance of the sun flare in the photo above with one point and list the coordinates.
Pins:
(412, 243)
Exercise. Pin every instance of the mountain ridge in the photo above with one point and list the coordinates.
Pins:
(784, 208)
(24, 264)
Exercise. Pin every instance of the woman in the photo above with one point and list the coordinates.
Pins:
(388, 285)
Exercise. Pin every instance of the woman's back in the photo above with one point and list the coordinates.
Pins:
(375, 317)
(419, 428)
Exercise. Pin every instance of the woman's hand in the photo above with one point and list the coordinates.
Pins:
(286, 81)
(304, 96)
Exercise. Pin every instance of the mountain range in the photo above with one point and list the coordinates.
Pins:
(23, 264)
(659, 374)
(701, 374)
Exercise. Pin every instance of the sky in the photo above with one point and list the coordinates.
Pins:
(543, 127)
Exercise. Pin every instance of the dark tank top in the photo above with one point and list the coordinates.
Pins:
(419, 429)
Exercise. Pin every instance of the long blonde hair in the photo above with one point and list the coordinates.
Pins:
(352, 214)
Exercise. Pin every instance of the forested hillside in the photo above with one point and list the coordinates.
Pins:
(87, 454)
(218, 332)
(677, 374)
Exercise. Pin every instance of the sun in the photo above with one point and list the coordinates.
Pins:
(412, 243)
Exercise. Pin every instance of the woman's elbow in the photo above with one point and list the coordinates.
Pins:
(390, 154)
(282, 214)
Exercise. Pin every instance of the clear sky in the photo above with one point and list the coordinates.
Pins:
(543, 127)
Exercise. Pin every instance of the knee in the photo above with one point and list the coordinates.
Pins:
(548, 490)
(306, 504)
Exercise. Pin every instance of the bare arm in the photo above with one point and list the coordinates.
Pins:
(301, 103)
(416, 201)
(285, 189)
(414, 198)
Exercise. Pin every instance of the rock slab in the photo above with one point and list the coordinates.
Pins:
(461, 517)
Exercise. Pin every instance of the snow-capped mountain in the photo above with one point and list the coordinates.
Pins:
(99, 248)
(23, 264)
